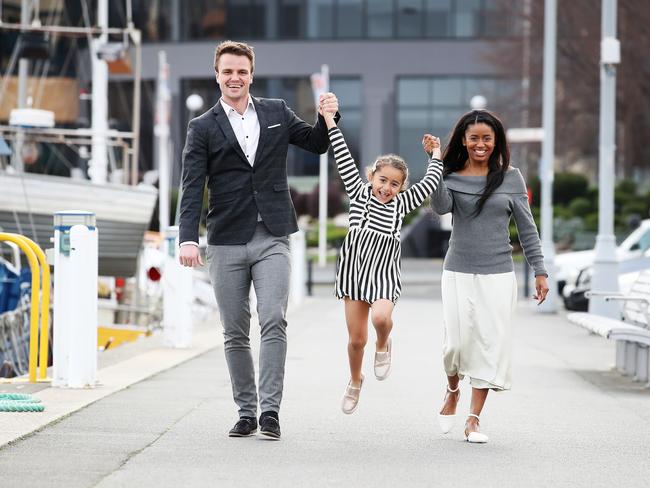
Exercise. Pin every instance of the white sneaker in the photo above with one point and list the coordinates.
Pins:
(351, 397)
(383, 362)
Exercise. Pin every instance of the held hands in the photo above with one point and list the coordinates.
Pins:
(541, 289)
(190, 256)
(431, 146)
(328, 106)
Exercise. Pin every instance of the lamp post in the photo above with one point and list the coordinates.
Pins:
(605, 277)
(548, 152)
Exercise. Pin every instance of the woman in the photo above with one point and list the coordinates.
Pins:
(479, 289)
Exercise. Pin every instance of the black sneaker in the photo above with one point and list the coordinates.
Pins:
(270, 427)
(245, 427)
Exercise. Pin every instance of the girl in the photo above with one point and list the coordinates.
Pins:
(368, 272)
(479, 290)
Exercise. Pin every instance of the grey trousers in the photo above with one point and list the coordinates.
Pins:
(264, 262)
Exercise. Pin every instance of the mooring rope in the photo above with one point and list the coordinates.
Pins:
(19, 402)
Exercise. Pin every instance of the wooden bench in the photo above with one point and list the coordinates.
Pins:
(631, 332)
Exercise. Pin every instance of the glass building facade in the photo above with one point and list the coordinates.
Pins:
(176, 20)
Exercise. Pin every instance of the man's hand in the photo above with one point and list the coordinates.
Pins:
(328, 103)
(190, 256)
(431, 146)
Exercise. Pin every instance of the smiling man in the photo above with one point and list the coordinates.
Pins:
(240, 146)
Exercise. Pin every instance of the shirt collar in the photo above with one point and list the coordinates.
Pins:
(229, 110)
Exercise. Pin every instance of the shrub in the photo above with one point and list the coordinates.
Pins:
(580, 207)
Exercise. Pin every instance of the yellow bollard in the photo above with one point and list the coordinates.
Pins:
(45, 307)
(36, 285)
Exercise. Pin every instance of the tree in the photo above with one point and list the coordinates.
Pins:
(578, 80)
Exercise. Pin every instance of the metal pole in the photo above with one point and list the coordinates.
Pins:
(322, 192)
(161, 130)
(525, 115)
(136, 36)
(23, 73)
(99, 161)
(605, 277)
(548, 151)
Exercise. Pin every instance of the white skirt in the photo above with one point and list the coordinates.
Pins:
(478, 312)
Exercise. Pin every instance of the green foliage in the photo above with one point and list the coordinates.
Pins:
(591, 222)
(335, 236)
(580, 207)
(568, 186)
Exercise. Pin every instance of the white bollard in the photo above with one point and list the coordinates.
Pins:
(298, 285)
(75, 299)
(177, 294)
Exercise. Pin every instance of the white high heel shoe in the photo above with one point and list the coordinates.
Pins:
(475, 437)
(447, 422)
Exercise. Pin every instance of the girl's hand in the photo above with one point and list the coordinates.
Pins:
(431, 145)
(541, 289)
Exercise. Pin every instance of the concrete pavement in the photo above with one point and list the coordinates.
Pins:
(569, 420)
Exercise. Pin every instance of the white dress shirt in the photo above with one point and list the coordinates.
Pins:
(246, 127)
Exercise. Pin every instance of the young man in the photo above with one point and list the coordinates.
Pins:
(240, 146)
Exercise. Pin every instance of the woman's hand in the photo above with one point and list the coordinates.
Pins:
(541, 289)
(431, 146)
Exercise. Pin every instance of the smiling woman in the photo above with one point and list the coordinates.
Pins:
(479, 289)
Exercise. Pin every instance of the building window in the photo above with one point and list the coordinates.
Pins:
(349, 19)
(379, 15)
(410, 18)
(320, 19)
(434, 104)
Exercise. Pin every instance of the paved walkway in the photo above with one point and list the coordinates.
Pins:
(569, 420)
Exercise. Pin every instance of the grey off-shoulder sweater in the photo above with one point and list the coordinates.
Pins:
(481, 244)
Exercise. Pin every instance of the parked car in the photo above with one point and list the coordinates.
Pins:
(570, 264)
(574, 291)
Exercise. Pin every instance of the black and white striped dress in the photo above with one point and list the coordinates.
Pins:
(369, 262)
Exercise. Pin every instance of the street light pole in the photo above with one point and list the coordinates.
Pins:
(605, 277)
(548, 152)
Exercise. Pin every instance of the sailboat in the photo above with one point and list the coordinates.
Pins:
(122, 205)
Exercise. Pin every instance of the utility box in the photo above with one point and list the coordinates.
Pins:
(177, 294)
(75, 299)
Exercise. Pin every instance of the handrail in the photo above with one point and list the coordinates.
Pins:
(35, 257)
(46, 284)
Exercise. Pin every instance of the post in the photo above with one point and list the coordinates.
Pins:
(322, 184)
(177, 294)
(161, 130)
(75, 299)
(605, 277)
(298, 247)
(548, 151)
(98, 167)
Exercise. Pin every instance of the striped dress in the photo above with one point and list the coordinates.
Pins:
(369, 263)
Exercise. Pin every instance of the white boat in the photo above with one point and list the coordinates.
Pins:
(28, 202)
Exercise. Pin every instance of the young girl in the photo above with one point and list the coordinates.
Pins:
(479, 290)
(368, 272)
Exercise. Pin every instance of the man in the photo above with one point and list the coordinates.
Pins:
(240, 146)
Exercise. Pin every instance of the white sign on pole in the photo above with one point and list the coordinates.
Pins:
(525, 134)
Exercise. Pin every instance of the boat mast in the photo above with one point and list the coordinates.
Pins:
(98, 165)
(23, 73)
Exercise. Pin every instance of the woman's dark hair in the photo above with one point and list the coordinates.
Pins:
(455, 155)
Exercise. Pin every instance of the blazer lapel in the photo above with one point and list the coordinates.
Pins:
(264, 122)
(226, 128)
